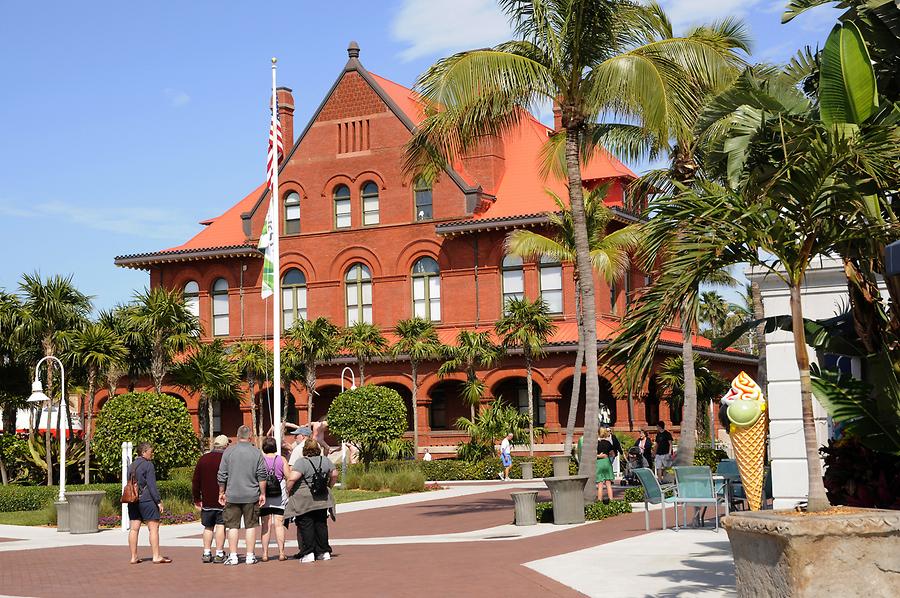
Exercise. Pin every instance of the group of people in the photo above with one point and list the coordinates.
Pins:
(238, 485)
(660, 456)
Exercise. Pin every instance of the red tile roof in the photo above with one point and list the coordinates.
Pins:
(224, 230)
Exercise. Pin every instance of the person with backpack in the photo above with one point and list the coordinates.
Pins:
(147, 507)
(311, 479)
(242, 491)
(272, 511)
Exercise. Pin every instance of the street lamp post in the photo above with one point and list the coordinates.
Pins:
(38, 396)
(352, 377)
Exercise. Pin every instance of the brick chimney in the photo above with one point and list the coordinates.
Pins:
(286, 116)
(486, 162)
(557, 116)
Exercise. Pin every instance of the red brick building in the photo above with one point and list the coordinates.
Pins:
(362, 242)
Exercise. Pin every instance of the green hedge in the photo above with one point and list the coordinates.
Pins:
(592, 512)
(33, 498)
(709, 457)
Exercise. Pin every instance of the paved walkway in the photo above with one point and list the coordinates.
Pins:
(453, 542)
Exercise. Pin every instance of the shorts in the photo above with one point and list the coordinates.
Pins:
(234, 512)
(266, 511)
(506, 459)
(663, 461)
(604, 470)
(211, 518)
(143, 511)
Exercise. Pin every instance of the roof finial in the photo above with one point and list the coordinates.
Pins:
(353, 50)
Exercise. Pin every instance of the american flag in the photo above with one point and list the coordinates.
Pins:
(276, 149)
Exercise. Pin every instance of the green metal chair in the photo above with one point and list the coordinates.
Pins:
(695, 488)
(728, 468)
(655, 494)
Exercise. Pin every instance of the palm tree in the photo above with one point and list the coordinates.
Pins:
(609, 257)
(137, 344)
(710, 385)
(52, 310)
(97, 349)
(314, 341)
(592, 57)
(208, 372)
(418, 340)
(526, 325)
(162, 316)
(253, 361)
(713, 311)
(364, 341)
(472, 349)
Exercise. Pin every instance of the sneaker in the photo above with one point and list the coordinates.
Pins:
(232, 560)
(325, 556)
(309, 558)
(251, 559)
(207, 557)
(218, 559)
(500, 475)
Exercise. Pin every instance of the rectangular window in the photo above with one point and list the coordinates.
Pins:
(551, 287)
(419, 305)
(424, 206)
(370, 210)
(438, 413)
(540, 407)
(342, 213)
(292, 219)
(513, 285)
(220, 315)
(434, 297)
(287, 308)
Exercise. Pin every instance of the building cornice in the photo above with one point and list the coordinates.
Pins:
(461, 227)
(143, 261)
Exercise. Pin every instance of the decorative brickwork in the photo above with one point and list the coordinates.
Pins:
(353, 98)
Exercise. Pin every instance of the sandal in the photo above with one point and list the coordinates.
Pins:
(265, 559)
(162, 561)
(282, 557)
(137, 562)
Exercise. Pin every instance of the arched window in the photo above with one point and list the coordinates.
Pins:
(359, 294)
(370, 203)
(551, 283)
(220, 307)
(426, 284)
(342, 206)
(292, 213)
(293, 297)
(192, 297)
(513, 283)
(424, 208)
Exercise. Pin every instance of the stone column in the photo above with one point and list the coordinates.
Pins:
(423, 410)
(552, 425)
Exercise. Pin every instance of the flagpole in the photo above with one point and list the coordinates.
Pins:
(276, 269)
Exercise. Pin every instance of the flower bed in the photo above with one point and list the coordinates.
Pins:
(166, 518)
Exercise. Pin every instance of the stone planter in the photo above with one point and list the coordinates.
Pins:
(62, 516)
(560, 465)
(527, 470)
(525, 505)
(779, 553)
(84, 511)
(567, 493)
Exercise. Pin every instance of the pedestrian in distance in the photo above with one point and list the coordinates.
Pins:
(665, 453)
(242, 491)
(298, 435)
(312, 476)
(645, 445)
(506, 456)
(272, 511)
(427, 456)
(149, 506)
(205, 490)
(605, 455)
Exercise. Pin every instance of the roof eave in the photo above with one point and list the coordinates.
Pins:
(461, 227)
(144, 261)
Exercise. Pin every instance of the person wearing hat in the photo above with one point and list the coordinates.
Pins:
(206, 498)
(300, 434)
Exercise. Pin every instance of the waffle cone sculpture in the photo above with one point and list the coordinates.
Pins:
(747, 414)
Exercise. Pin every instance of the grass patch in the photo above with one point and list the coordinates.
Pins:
(45, 516)
(342, 496)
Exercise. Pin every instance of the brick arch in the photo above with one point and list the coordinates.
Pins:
(295, 259)
(289, 185)
(334, 181)
(432, 380)
(394, 377)
(187, 274)
(367, 175)
(563, 373)
(350, 255)
(494, 377)
(414, 250)
(217, 270)
(495, 255)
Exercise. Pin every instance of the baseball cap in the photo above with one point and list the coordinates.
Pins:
(302, 431)
(221, 441)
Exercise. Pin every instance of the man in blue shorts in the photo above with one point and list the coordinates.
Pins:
(506, 456)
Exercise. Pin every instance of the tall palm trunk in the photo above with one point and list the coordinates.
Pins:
(209, 414)
(362, 371)
(415, 406)
(310, 389)
(817, 500)
(687, 444)
(576, 380)
(586, 277)
(759, 313)
(530, 405)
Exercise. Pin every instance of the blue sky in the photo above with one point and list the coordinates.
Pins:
(124, 124)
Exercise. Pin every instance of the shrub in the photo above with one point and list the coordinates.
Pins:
(373, 481)
(857, 476)
(401, 477)
(368, 417)
(145, 417)
(634, 494)
(33, 498)
(709, 456)
(182, 473)
(403, 482)
(592, 512)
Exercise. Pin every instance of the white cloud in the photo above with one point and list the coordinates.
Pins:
(430, 27)
(147, 223)
(693, 12)
(176, 97)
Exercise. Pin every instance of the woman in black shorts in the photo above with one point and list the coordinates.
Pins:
(272, 512)
(148, 507)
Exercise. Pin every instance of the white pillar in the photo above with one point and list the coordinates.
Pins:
(127, 448)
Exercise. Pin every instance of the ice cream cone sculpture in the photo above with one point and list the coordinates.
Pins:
(747, 414)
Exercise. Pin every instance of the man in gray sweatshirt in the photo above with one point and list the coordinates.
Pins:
(242, 491)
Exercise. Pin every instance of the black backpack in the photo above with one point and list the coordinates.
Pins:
(318, 482)
(273, 486)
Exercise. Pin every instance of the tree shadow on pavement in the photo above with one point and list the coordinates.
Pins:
(474, 506)
(699, 576)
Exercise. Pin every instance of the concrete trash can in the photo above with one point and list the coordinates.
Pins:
(62, 516)
(568, 498)
(84, 511)
(525, 503)
(527, 470)
(560, 465)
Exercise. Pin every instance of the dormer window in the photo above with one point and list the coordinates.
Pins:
(424, 208)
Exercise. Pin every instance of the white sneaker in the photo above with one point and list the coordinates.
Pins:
(251, 559)
(500, 475)
(325, 556)
(309, 558)
(232, 559)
